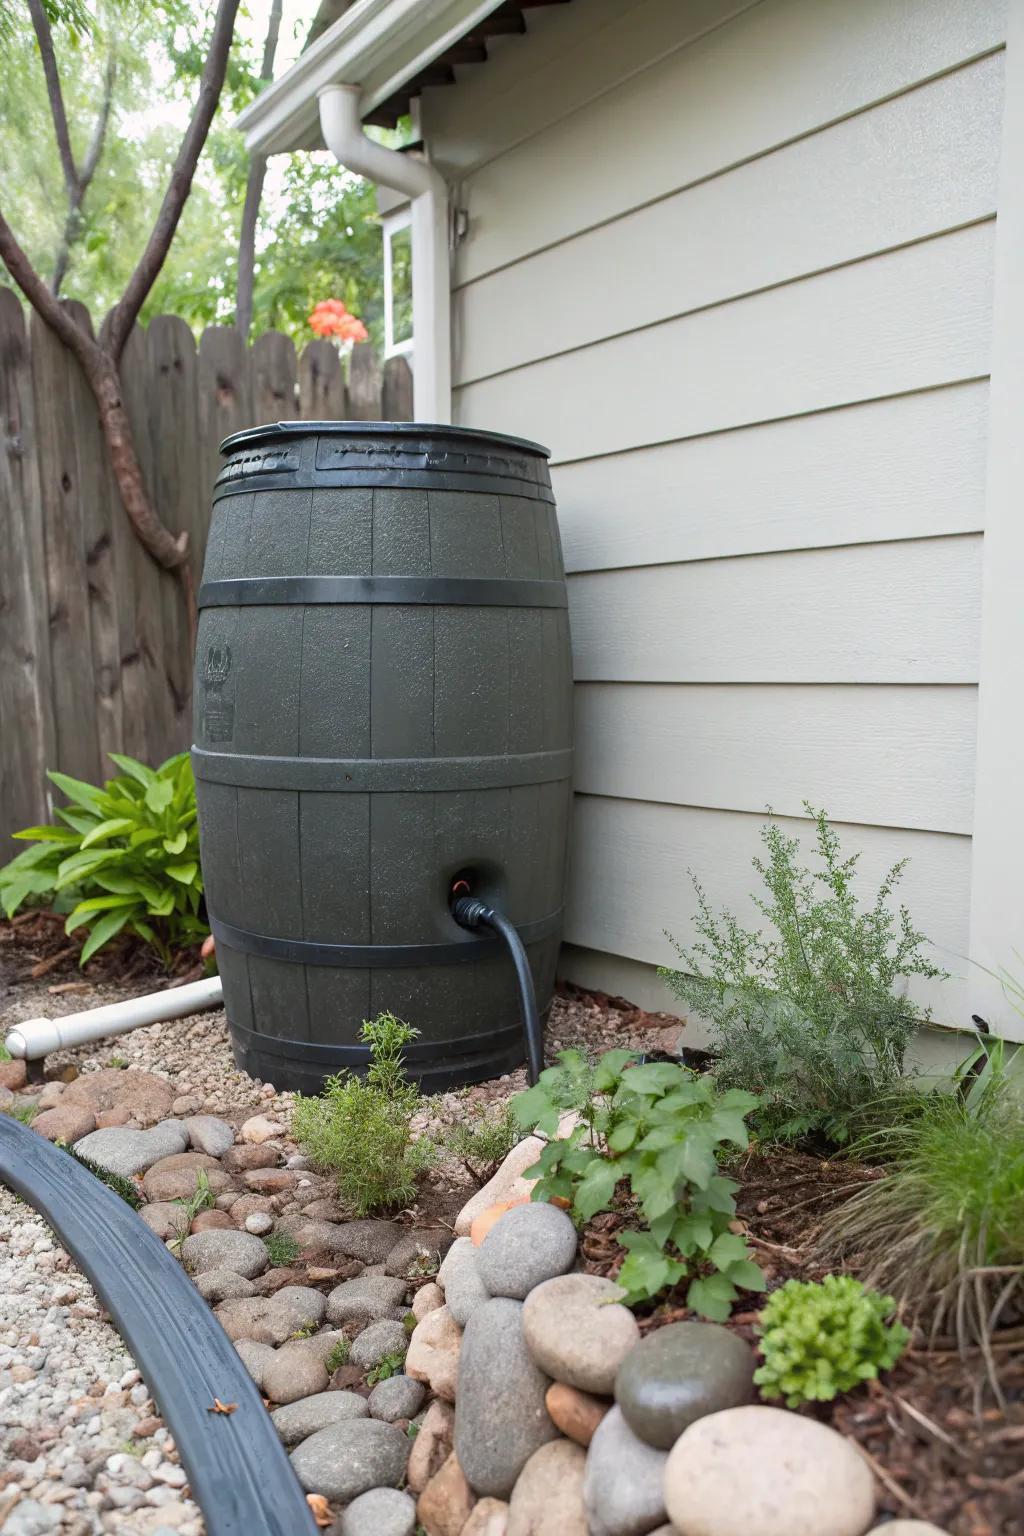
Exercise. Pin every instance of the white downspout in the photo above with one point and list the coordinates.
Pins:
(343, 134)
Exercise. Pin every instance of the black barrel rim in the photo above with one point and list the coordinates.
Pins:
(270, 430)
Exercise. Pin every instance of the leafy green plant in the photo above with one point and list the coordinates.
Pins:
(390, 1366)
(810, 1017)
(25, 1113)
(5, 1054)
(658, 1127)
(125, 857)
(337, 1357)
(126, 1188)
(361, 1129)
(282, 1249)
(482, 1140)
(202, 1199)
(822, 1338)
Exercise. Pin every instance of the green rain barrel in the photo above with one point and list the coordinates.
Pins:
(382, 710)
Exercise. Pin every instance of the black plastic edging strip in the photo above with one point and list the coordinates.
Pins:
(473, 592)
(238, 1470)
(381, 774)
(376, 956)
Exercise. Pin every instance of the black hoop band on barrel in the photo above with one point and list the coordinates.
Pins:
(249, 480)
(373, 956)
(482, 592)
(381, 774)
(494, 1041)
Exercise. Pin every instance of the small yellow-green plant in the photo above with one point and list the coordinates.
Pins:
(337, 1357)
(282, 1249)
(822, 1338)
(360, 1129)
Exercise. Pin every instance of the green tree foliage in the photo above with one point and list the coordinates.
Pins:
(820, 1339)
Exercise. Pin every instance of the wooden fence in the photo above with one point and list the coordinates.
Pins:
(94, 650)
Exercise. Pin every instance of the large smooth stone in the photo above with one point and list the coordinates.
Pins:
(215, 1285)
(399, 1397)
(146, 1097)
(296, 1421)
(548, 1497)
(224, 1249)
(434, 1351)
(66, 1122)
(530, 1244)
(489, 1518)
(255, 1357)
(459, 1278)
(381, 1512)
(120, 1150)
(500, 1416)
(367, 1298)
(907, 1528)
(766, 1470)
(419, 1252)
(432, 1446)
(294, 1373)
(378, 1341)
(623, 1485)
(208, 1134)
(575, 1413)
(349, 1458)
(446, 1502)
(578, 1331)
(679, 1373)
(177, 1177)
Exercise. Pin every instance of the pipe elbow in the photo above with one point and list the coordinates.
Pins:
(346, 139)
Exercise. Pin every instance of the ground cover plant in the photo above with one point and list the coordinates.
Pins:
(124, 857)
(360, 1129)
(657, 1129)
(822, 1338)
(810, 1015)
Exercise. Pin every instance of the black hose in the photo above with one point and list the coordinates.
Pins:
(238, 1470)
(471, 913)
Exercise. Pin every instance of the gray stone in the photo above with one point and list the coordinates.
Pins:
(297, 1421)
(459, 1278)
(224, 1248)
(419, 1252)
(294, 1372)
(370, 1241)
(680, 1373)
(255, 1357)
(216, 1285)
(367, 1298)
(349, 1458)
(381, 1512)
(259, 1223)
(296, 1307)
(166, 1219)
(30, 1518)
(500, 1417)
(208, 1134)
(548, 1497)
(376, 1342)
(321, 1345)
(578, 1331)
(127, 1152)
(529, 1244)
(623, 1484)
(400, 1397)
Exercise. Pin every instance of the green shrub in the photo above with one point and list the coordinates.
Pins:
(337, 1357)
(390, 1366)
(658, 1127)
(482, 1140)
(361, 1129)
(809, 1017)
(126, 857)
(822, 1339)
(282, 1249)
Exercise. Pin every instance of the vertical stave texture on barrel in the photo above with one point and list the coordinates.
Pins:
(382, 703)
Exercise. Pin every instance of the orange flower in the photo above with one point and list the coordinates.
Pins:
(331, 318)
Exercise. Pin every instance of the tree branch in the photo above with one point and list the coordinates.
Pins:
(44, 37)
(254, 193)
(118, 324)
(73, 221)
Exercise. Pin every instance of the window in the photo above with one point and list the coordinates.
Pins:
(398, 334)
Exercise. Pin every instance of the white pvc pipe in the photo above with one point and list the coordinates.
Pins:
(431, 298)
(38, 1037)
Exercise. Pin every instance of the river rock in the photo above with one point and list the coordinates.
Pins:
(378, 1341)
(14, 1076)
(148, 1098)
(578, 1331)
(547, 1499)
(293, 1373)
(259, 1223)
(530, 1244)
(348, 1458)
(507, 1184)
(575, 1413)
(679, 1373)
(427, 1299)
(255, 1357)
(459, 1278)
(258, 1129)
(66, 1122)
(418, 1252)
(369, 1241)
(444, 1505)
(434, 1350)
(489, 1518)
(432, 1446)
(215, 1285)
(907, 1528)
(400, 1397)
(623, 1482)
(500, 1417)
(208, 1134)
(380, 1512)
(296, 1421)
(127, 1152)
(367, 1298)
(296, 1307)
(177, 1177)
(210, 1221)
(239, 1251)
(166, 1219)
(762, 1469)
(247, 1155)
(270, 1181)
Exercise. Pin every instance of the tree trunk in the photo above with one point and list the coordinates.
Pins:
(254, 192)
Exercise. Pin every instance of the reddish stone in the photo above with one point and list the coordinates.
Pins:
(68, 1122)
(119, 1115)
(251, 1155)
(13, 1075)
(271, 1181)
(206, 1221)
(147, 1097)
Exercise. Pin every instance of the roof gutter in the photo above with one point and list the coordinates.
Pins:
(342, 129)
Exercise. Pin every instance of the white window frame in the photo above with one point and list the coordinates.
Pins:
(392, 224)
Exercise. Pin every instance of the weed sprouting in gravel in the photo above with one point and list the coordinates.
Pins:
(282, 1249)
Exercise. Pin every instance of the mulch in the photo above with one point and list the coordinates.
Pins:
(34, 948)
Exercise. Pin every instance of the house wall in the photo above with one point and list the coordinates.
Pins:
(734, 263)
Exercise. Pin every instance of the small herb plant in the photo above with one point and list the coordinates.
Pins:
(124, 857)
(282, 1249)
(820, 1339)
(361, 1129)
(337, 1357)
(390, 1366)
(658, 1127)
(810, 1016)
(482, 1140)
(202, 1199)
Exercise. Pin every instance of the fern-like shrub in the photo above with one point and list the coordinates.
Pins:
(820, 1339)
(482, 1139)
(812, 1016)
(360, 1129)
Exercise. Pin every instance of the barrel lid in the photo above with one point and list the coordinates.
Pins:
(411, 429)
